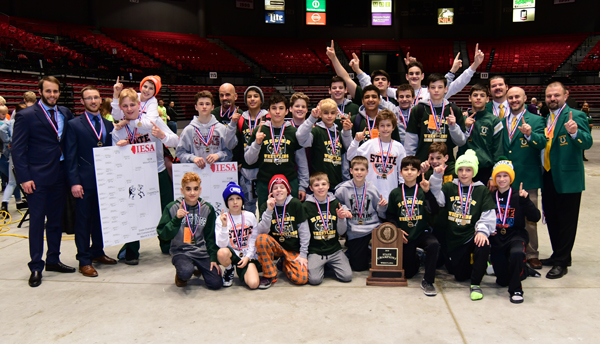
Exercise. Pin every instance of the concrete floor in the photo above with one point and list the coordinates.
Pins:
(141, 304)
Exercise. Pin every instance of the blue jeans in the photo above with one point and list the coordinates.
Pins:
(11, 187)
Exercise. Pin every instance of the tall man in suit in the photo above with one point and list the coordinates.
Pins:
(524, 138)
(568, 135)
(83, 134)
(37, 148)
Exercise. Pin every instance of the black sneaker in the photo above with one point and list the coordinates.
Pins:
(517, 297)
(266, 282)
(4, 207)
(22, 205)
(228, 276)
(130, 257)
(428, 288)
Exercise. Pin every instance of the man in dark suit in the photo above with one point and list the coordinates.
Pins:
(38, 157)
(568, 135)
(83, 134)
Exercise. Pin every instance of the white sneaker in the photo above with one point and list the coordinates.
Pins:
(228, 277)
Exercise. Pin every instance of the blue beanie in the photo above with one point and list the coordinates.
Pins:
(232, 189)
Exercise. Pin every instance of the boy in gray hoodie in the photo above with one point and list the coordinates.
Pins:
(203, 140)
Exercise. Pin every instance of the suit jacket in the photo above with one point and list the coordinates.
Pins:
(566, 158)
(35, 149)
(525, 154)
(80, 142)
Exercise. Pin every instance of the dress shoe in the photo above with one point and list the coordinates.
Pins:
(35, 279)
(535, 263)
(60, 267)
(104, 260)
(557, 271)
(88, 271)
(547, 262)
(179, 282)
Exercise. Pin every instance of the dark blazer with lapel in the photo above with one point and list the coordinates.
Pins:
(566, 158)
(525, 155)
(80, 143)
(35, 148)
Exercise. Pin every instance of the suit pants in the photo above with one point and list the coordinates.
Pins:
(87, 224)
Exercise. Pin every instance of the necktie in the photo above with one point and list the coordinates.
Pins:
(514, 123)
(97, 124)
(501, 111)
(51, 114)
(548, 144)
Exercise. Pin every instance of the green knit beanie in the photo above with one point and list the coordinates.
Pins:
(469, 159)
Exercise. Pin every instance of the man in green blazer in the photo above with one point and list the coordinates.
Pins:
(523, 140)
(498, 105)
(568, 135)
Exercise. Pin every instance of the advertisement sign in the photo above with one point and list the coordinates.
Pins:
(381, 6)
(381, 19)
(523, 15)
(275, 5)
(245, 4)
(315, 5)
(445, 16)
(315, 18)
(523, 3)
(275, 17)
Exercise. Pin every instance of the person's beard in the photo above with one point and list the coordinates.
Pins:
(45, 101)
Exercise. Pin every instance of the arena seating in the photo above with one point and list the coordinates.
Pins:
(592, 60)
(279, 55)
(181, 51)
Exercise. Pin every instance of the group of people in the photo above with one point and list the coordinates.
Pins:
(386, 155)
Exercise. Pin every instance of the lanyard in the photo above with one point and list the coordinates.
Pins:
(49, 119)
(511, 133)
(324, 219)
(187, 218)
(369, 125)
(416, 100)
(142, 111)
(503, 218)
(414, 201)
(277, 146)
(131, 135)
(551, 125)
(237, 238)
(465, 208)
(384, 158)
(258, 116)
(229, 112)
(333, 141)
(99, 136)
(206, 141)
(280, 225)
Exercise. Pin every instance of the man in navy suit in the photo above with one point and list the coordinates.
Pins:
(38, 158)
(83, 134)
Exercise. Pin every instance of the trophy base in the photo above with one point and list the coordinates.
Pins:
(386, 278)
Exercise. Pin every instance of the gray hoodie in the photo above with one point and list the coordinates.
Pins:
(371, 213)
(190, 146)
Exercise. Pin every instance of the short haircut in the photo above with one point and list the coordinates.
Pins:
(337, 79)
(128, 93)
(328, 104)
(106, 107)
(204, 94)
(436, 77)
(20, 107)
(2, 100)
(479, 87)
(316, 176)
(279, 98)
(559, 84)
(499, 77)
(4, 109)
(405, 87)
(386, 114)
(297, 96)
(190, 177)
(380, 72)
(29, 97)
(410, 160)
(370, 88)
(414, 64)
(49, 79)
(438, 147)
(359, 160)
(89, 88)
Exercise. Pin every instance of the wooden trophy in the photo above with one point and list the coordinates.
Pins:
(386, 264)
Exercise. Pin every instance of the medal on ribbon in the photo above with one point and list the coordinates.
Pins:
(131, 135)
(384, 158)
(360, 206)
(98, 135)
(206, 141)
(440, 122)
(280, 226)
(229, 112)
(467, 204)
(333, 141)
(187, 218)
(324, 219)
(409, 213)
(50, 120)
(276, 146)
(504, 216)
(511, 133)
(238, 238)
(550, 126)
(142, 112)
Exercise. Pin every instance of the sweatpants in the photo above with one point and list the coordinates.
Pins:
(184, 267)
(508, 261)
(359, 253)
(337, 261)
(267, 249)
(460, 261)
(411, 261)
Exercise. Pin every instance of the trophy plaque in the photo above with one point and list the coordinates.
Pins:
(386, 252)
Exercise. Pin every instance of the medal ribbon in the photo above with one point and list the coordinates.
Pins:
(496, 113)
(511, 133)
(325, 219)
(416, 100)
(471, 129)
(550, 126)
(333, 142)
(278, 146)
(229, 112)
(360, 205)
(131, 135)
(414, 200)
(206, 141)
(466, 207)
(369, 125)
(403, 118)
(142, 111)
(503, 218)
(49, 119)
(239, 242)
(99, 136)
(258, 116)
(384, 159)
(435, 120)
(280, 226)
(341, 111)
(187, 218)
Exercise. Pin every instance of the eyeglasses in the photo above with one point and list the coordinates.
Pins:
(92, 98)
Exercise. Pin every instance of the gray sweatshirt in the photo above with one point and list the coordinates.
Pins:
(371, 210)
(190, 146)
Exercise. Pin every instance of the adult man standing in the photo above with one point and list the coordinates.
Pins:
(172, 117)
(532, 107)
(37, 151)
(568, 135)
(524, 138)
(499, 105)
(227, 96)
(83, 134)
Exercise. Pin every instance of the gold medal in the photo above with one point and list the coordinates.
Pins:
(100, 144)
(384, 176)
(241, 254)
(324, 236)
(360, 222)
(464, 222)
(281, 239)
(207, 149)
(139, 124)
(503, 231)
(411, 224)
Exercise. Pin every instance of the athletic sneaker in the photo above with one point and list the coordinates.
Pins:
(517, 297)
(265, 282)
(476, 293)
(228, 276)
(428, 288)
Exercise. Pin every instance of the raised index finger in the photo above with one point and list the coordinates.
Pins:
(570, 115)
(521, 187)
(332, 46)
(476, 48)
(118, 79)
(457, 56)
(523, 118)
